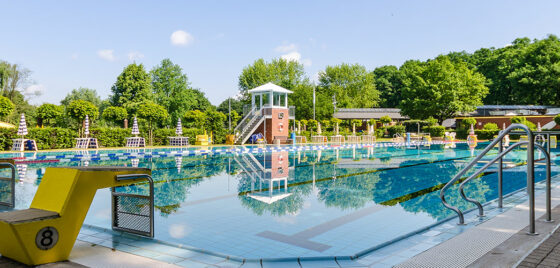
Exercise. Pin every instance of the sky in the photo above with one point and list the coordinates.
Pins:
(72, 44)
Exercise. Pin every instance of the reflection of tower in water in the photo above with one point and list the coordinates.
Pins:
(268, 175)
(135, 162)
(21, 171)
(178, 163)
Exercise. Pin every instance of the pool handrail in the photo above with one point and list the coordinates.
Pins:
(500, 156)
(4, 163)
(530, 172)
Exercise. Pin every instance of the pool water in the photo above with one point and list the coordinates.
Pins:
(288, 203)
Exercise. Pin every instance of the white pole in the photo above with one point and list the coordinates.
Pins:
(313, 102)
(229, 108)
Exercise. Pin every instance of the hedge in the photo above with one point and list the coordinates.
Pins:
(62, 138)
(435, 131)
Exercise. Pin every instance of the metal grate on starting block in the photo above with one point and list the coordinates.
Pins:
(133, 213)
(8, 186)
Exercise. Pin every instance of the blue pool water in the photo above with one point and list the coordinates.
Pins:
(309, 203)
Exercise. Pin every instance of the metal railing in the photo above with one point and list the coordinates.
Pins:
(530, 175)
(12, 181)
(133, 213)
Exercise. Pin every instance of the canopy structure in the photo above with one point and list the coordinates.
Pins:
(179, 130)
(86, 126)
(22, 129)
(135, 130)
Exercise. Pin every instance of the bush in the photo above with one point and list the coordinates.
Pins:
(431, 121)
(435, 131)
(467, 122)
(486, 134)
(380, 132)
(557, 119)
(111, 136)
(6, 136)
(400, 129)
(53, 138)
(490, 126)
(523, 120)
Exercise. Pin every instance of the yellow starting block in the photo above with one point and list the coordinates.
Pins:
(201, 140)
(553, 141)
(46, 232)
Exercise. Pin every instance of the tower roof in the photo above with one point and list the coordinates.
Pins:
(269, 87)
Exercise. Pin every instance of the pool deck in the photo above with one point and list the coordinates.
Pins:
(499, 242)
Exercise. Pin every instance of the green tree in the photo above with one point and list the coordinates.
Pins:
(14, 78)
(133, 87)
(215, 121)
(115, 114)
(385, 120)
(284, 73)
(389, 83)
(82, 93)
(353, 85)
(236, 105)
(6, 107)
(78, 110)
(196, 119)
(441, 88)
(152, 113)
(47, 114)
(172, 91)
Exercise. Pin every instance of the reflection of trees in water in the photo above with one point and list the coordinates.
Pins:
(288, 205)
(348, 193)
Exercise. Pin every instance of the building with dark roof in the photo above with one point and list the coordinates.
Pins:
(369, 113)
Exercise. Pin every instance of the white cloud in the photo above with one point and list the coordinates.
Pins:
(34, 90)
(286, 48)
(106, 54)
(181, 38)
(292, 56)
(135, 55)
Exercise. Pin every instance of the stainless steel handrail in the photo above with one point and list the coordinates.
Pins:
(12, 184)
(530, 168)
(500, 156)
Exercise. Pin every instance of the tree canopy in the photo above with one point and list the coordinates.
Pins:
(172, 91)
(48, 113)
(353, 85)
(133, 86)
(6, 107)
(441, 88)
(284, 73)
(152, 113)
(115, 114)
(78, 110)
(82, 93)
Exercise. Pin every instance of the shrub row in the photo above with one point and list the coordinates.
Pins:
(62, 138)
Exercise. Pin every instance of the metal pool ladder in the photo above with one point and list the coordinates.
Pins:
(501, 153)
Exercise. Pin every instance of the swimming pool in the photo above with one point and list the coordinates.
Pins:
(287, 202)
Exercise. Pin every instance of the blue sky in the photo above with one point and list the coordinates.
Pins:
(71, 44)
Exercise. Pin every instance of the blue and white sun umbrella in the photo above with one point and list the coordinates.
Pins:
(22, 129)
(135, 130)
(179, 130)
(86, 126)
